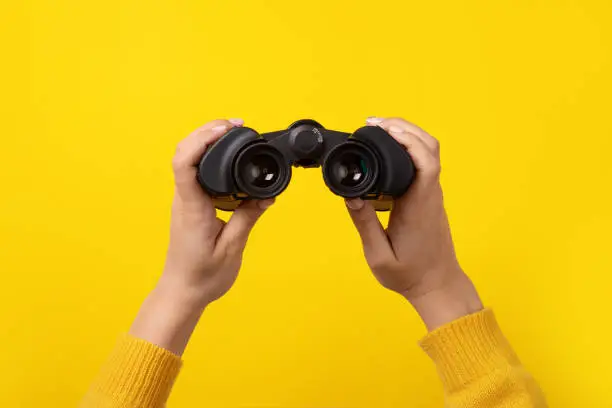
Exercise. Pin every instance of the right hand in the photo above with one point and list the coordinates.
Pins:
(204, 254)
(415, 256)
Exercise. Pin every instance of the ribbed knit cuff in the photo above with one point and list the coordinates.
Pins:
(137, 374)
(468, 349)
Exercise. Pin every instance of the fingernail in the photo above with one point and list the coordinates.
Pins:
(236, 122)
(354, 203)
(373, 120)
(219, 129)
(264, 204)
(395, 129)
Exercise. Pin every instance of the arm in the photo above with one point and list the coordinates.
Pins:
(415, 257)
(202, 263)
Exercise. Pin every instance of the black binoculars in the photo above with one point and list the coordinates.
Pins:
(243, 164)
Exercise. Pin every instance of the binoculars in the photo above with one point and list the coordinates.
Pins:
(367, 164)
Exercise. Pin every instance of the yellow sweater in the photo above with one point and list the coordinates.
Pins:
(476, 364)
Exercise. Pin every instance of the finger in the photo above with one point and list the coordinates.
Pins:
(426, 162)
(188, 154)
(190, 150)
(373, 237)
(430, 141)
(236, 232)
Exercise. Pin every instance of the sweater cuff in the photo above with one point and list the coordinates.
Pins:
(138, 374)
(468, 349)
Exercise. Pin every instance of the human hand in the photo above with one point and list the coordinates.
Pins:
(204, 253)
(415, 255)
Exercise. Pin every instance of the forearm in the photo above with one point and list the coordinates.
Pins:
(475, 362)
(145, 363)
(167, 319)
(446, 302)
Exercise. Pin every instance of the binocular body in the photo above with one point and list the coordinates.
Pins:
(244, 164)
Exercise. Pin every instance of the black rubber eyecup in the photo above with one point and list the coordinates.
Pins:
(261, 171)
(351, 169)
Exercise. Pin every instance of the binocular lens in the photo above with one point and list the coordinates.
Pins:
(261, 172)
(350, 169)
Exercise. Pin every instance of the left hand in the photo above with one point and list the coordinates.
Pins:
(415, 255)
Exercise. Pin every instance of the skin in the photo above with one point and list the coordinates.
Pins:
(414, 256)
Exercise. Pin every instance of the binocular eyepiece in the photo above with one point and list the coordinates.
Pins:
(261, 171)
(351, 169)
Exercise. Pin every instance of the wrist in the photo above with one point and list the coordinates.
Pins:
(174, 288)
(455, 298)
(183, 300)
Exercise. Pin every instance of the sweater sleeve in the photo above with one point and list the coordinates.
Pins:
(137, 374)
(478, 367)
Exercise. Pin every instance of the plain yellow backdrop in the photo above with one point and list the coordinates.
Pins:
(95, 96)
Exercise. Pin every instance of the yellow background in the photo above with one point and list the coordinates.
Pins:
(95, 95)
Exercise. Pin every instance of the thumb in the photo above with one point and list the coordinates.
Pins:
(236, 232)
(373, 236)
